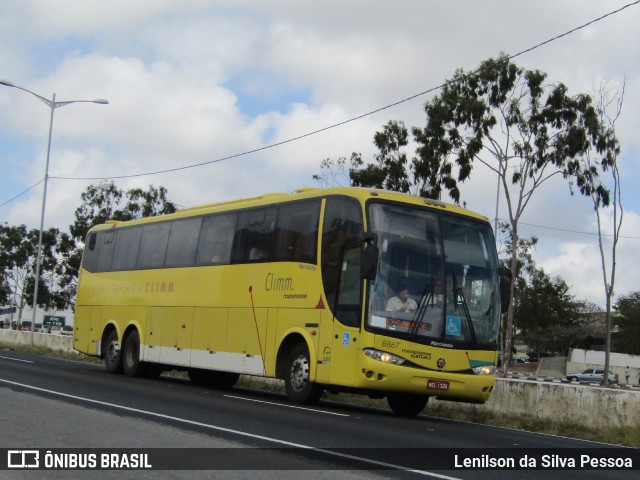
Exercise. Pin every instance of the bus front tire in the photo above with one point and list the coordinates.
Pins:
(407, 404)
(112, 353)
(297, 384)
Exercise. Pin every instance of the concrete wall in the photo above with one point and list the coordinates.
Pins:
(47, 340)
(583, 404)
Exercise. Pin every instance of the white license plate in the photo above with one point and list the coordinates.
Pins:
(438, 385)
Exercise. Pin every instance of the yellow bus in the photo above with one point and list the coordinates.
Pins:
(342, 289)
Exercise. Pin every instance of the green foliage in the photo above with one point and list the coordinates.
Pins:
(18, 254)
(392, 168)
(628, 322)
(546, 315)
(108, 202)
(503, 111)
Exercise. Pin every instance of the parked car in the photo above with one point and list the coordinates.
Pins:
(67, 330)
(592, 375)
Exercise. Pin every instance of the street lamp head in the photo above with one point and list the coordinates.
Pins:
(101, 101)
(6, 83)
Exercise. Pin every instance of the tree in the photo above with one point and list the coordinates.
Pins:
(103, 202)
(524, 265)
(524, 130)
(628, 321)
(608, 110)
(547, 315)
(106, 201)
(17, 260)
(392, 169)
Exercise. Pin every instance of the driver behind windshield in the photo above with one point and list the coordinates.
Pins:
(401, 302)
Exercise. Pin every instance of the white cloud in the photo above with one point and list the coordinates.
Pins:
(177, 73)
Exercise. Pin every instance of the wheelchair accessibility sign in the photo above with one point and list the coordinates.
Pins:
(454, 325)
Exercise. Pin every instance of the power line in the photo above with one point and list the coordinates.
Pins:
(572, 231)
(266, 147)
(324, 129)
(20, 194)
(344, 122)
(575, 29)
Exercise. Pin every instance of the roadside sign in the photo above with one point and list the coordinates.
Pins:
(7, 310)
(54, 321)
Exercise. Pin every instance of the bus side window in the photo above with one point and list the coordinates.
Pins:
(183, 242)
(153, 245)
(106, 252)
(126, 251)
(297, 232)
(90, 258)
(216, 240)
(254, 236)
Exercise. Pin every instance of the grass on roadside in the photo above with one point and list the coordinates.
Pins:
(47, 352)
(627, 435)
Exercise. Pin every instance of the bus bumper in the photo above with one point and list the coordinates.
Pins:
(455, 386)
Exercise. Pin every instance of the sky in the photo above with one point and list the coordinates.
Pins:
(247, 91)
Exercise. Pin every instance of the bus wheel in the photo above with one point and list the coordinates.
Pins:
(131, 364)
(299, 388)
(112, 353)
(407, 404)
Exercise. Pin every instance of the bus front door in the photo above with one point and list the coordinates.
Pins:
(348, 314)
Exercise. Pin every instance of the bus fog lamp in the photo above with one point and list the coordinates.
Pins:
(485, 370)
(384, 357)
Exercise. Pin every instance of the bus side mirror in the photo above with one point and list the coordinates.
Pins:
(370, 255)
(505, 288)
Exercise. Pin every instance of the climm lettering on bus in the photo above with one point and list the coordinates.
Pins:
(274, 283)
(124, 288)
(159, 287)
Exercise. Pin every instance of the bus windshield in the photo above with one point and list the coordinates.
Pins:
(436, 279)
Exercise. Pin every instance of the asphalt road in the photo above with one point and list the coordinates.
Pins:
(56, 404)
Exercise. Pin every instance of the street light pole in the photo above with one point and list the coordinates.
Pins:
(52, 104)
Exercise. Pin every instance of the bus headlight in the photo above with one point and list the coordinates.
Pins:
(485, 370)
(383, 356)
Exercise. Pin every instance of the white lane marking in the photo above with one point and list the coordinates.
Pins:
(287, 406)
(232, 431)
(17, 359)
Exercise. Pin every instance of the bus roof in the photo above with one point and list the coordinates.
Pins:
(360, 193)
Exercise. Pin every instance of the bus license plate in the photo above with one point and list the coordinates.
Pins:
(438, 385)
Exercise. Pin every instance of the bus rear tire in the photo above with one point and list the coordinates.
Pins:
(296, 381)
(112, 353)
(131, 364)
(407, 404)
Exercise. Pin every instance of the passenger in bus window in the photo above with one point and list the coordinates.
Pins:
(257, 254)
(219, 254)
(401, 302)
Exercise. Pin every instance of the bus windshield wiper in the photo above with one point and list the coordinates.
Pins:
(458, 293)
(418, 316)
